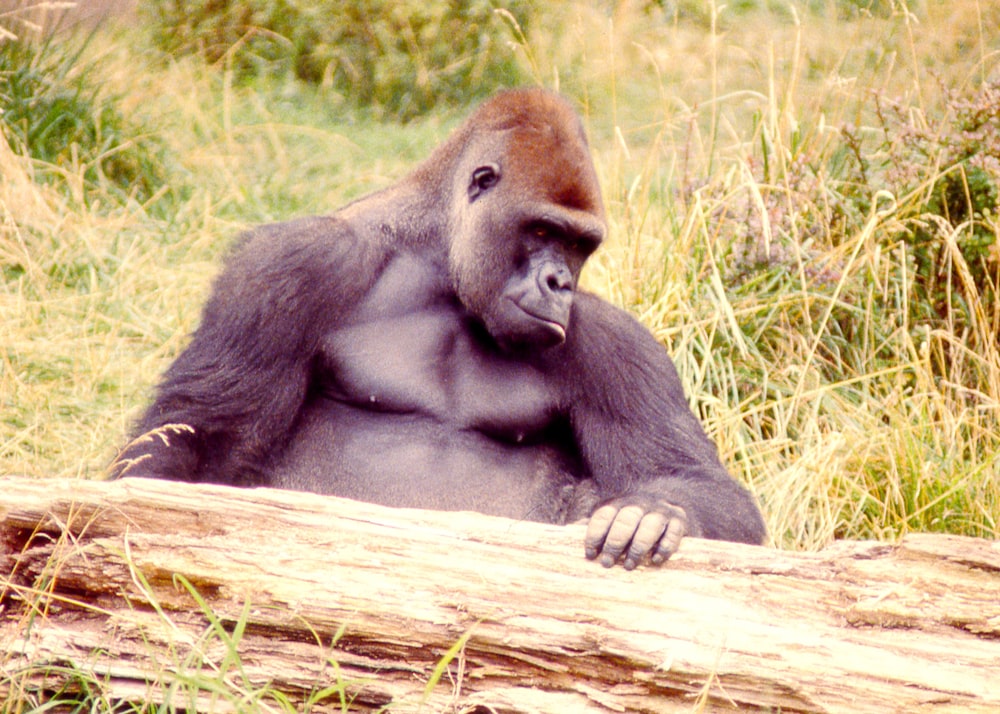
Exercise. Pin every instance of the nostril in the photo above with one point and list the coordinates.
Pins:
(556, 284)
(556, 279)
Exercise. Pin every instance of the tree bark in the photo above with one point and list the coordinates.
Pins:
(210, 598)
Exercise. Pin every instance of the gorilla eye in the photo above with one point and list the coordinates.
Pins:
(483, 179)
(582, 245)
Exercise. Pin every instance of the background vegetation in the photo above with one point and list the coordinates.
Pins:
(802, 196)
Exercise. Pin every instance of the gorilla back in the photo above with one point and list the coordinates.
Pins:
(426, 346)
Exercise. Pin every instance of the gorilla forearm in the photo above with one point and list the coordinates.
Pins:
(231, 434)
(658, 475)
(730, 514)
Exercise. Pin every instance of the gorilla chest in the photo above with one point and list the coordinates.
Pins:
(432, 362)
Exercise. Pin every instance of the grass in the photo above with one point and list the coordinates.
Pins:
(751, 229)
(775, 176)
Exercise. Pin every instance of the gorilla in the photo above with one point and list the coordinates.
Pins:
(426, 347)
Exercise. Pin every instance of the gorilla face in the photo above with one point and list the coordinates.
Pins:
(533, 307)
(522, 230)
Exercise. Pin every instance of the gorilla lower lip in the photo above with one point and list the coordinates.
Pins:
(557, 329)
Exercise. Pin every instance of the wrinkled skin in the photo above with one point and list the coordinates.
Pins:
(427, 347)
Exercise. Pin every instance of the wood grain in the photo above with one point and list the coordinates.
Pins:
(330, 590)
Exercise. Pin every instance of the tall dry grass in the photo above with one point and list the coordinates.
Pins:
(783, 282)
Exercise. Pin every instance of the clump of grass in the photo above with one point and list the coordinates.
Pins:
(947, 168)
(55, 111)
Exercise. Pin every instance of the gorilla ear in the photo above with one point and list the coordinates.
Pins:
(483, 179)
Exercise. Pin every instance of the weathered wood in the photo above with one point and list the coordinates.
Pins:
(338, 591)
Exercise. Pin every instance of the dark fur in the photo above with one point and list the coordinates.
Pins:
(426, 347)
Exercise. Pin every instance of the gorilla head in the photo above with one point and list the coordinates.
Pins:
(526, 212)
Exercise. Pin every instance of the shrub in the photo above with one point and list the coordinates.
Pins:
(56, 113)
(398, 57)
(948, 170)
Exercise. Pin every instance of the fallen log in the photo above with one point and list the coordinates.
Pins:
(212, 598)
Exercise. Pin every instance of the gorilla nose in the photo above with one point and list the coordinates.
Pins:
(555, 278)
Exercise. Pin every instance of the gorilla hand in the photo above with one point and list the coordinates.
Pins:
(642, 524)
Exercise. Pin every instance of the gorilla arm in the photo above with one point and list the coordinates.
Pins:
(235, 392)
(658, 475)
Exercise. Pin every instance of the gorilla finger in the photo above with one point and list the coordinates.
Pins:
(670, 541)
(646, 538)
(597, 529)
(620, 534)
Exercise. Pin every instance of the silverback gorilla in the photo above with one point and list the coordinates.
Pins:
(426, 347)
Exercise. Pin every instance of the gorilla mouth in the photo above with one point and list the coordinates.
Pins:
(555, 329)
